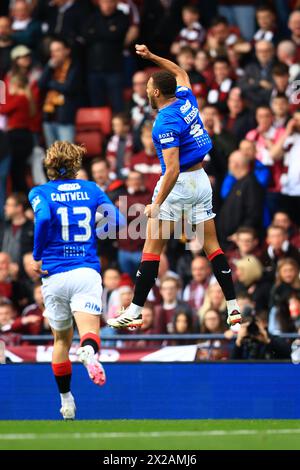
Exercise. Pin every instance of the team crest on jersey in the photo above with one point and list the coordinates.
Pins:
(69, 187)
(35, 203)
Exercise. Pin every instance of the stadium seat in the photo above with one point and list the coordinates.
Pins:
(93, 125)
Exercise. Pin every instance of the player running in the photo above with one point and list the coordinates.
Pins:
(181, 144)
(65, 255)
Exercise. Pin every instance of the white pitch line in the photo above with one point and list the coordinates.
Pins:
(153, 434)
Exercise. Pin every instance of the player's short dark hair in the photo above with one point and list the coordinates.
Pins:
(219, 20)
(100, 160)
(221, 59)
(186, 50)
(280, 95)
(280, 69)
(165, 82)
(265, 7)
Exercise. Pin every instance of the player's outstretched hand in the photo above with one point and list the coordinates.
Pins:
(143, 51)
(37, 268)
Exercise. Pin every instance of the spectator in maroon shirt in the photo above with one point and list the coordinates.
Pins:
(132, 204)
(221, 84)
(238, 121)
(146, 161)
(120, 146)
(164, 313)
(201, 277)
(294, 27)
(247, 242)
(6, 44)
(30, 323)
(182, 325)
(282, 219)
(19, 108)
(278, 248)
(192, 34)
(147, 328)
(11, 289)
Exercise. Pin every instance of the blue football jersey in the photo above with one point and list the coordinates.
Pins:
(179, 125)
(65, 227)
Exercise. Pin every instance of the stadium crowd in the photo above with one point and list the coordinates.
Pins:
(59, 58)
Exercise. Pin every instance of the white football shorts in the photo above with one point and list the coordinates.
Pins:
(78, 290)
(192, 194)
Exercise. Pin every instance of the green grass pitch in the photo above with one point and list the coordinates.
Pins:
(151, 434)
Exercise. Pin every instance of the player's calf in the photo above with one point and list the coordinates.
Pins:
(222, 273)
(63, 372)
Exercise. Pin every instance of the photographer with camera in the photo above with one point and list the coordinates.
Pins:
(255, 343)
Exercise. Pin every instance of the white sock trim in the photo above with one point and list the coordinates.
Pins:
(232, 305)
(134, 310)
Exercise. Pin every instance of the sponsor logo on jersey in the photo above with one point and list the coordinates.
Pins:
(92, 306)
(35, 203)
(209, 212)
(196, 130)
(69, 187)
(185, 107)
(166, 137)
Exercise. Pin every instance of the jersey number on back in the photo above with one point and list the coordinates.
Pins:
(84, 223)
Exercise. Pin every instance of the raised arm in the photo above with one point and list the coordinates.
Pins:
(181, 76)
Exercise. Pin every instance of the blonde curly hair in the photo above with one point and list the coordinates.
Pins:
(63, 160)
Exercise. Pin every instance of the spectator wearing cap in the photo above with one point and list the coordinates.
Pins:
(22, 64)
(244, 203)
(26, 30)
(132, 237)
(145, 162)
(6, 45)
(61, 85)
(256, 84)
(104, 34)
